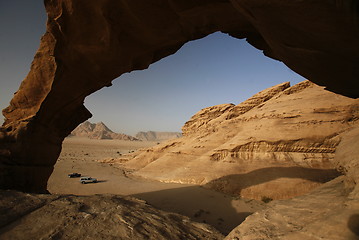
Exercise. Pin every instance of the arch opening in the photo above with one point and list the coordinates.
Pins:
(214, 70)
(313, 177)
(88, 58)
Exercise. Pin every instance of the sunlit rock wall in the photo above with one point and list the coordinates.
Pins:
(280, 143)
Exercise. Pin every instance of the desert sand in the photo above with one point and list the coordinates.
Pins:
(82, 155)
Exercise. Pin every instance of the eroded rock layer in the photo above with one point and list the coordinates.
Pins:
(329, 212)
(277, 144)
(326, 213)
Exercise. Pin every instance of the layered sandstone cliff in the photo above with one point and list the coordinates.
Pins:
(329, 212)
(279, 143)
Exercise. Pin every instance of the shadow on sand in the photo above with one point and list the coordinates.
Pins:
(236, 182)
(101, 181)
(224, 211)
(203, 205)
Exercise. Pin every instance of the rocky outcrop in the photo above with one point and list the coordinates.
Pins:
(280, 143)
(212, 116)
(85, 48)
(157, 136)
(329, 212)
(99, 131)
(325, 213)
(346, 158)
(203, 118)
(290, 144)
(100, 217)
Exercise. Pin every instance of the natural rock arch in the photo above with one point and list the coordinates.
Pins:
(89, 43)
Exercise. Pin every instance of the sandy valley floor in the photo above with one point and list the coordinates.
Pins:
(81, 155)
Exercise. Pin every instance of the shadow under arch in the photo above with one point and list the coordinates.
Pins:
(234, 184)
(88, 44)
(203, 205)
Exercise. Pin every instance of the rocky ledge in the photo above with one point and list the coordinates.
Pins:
(92, 217)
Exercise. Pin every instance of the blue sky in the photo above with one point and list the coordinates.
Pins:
(214, 70)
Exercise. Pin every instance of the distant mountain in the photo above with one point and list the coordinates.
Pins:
(99, 131)
(157, 136)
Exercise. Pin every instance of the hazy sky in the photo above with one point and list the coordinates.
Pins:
(214, 70)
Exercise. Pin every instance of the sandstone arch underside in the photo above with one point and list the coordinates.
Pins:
(89, 43)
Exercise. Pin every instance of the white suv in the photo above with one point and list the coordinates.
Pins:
(85, 180)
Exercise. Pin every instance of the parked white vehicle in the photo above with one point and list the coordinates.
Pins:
(85, 180)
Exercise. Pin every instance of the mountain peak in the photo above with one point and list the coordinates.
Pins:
(99, 131)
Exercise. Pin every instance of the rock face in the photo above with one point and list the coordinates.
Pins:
(99, 131)
(281, 143)
(278, 144)
(209, 116)
(157, 136)
(326, 213)
(85, 48)
(90, 43)
(99, 217)
(329, 212)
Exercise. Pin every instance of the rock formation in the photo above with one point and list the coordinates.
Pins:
(99, 131)
(329, 212)
(278, 144)
(325, 213)
(282, 142)
(88, 44)
(92, 217)
(157, 136)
